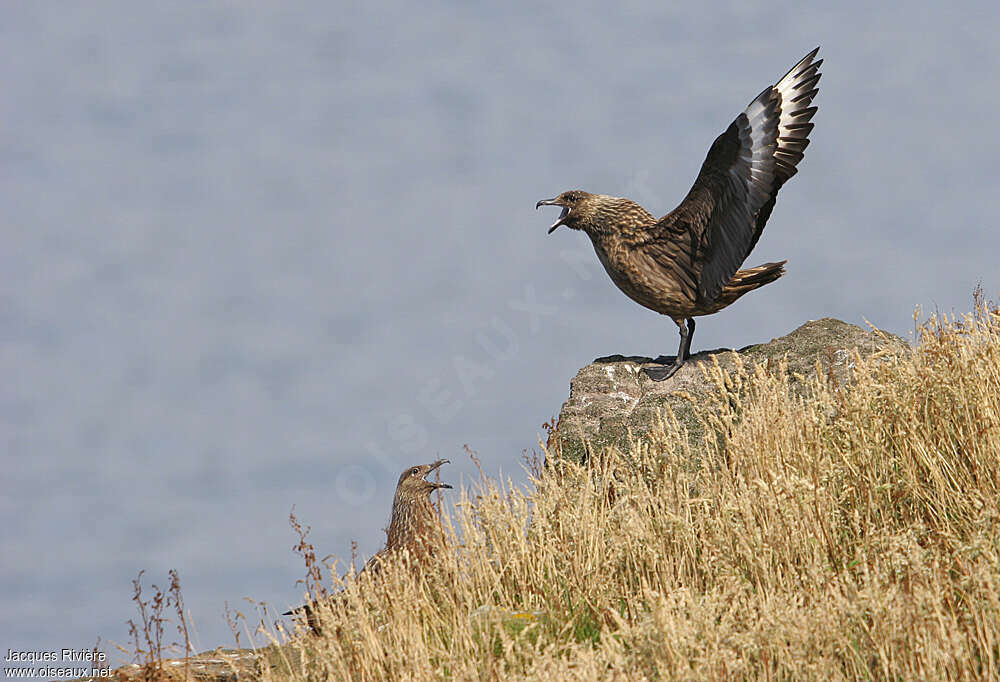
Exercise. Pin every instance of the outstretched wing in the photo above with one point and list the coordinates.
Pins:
(725, 212)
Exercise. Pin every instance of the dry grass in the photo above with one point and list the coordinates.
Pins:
(853, 533)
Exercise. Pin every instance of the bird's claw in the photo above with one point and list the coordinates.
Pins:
(661, 373)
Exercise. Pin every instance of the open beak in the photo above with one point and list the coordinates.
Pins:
(562, 216)
(433, 467)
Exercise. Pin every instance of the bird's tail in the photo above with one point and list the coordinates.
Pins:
(748, 280)
(309, 614)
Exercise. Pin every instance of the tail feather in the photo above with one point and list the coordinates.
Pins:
(758, 276)
(747, 280)
(309, 614)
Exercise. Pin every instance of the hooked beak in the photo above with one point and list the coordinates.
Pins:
(562, 216)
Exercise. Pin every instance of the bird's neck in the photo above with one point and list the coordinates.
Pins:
(411, 520)
(616, 215)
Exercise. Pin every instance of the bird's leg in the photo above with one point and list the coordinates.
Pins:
(687, 338)
(663, 373)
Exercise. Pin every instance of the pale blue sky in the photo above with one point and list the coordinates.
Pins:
(262, 254)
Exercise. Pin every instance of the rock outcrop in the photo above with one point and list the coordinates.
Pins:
(219, 665)
(611, 397)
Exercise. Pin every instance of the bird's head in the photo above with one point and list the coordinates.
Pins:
(577, 208)
(414, 481)
(596, 213)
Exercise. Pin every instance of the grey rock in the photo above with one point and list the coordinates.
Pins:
(612, 397)
(219, 665)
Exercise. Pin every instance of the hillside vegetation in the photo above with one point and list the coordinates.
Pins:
(847, 531)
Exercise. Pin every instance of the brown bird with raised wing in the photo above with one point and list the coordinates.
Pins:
(413, 526)
(687, 263)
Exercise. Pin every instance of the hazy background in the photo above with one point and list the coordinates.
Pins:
(257, 255)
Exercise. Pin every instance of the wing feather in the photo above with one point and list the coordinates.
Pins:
(734, 193)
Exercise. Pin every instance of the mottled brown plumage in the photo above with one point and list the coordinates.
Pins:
(413, 526)
(687, 263)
